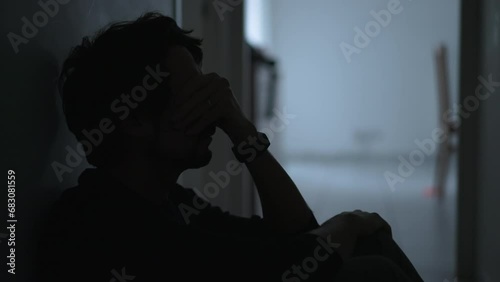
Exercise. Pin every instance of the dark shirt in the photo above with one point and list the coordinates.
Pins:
(102, 231)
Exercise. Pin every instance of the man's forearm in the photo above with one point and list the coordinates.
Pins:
(284, 208)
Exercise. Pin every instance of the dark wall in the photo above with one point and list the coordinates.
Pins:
(479, 212)
(488, 238)
(34, 133)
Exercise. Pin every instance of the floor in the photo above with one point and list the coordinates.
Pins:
(423, 226)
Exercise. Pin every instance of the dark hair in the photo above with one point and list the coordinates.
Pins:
(101, 68)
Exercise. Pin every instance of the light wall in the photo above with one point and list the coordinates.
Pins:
(258, 21)
(380, 101)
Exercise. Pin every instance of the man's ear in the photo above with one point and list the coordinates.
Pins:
(136, 126)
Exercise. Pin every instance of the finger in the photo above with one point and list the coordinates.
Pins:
(185, 90)
(193, 86)
(200, 98)
(201, 110)
(209, 119)
(198, 113)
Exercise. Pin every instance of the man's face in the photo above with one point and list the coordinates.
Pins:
(173, 143)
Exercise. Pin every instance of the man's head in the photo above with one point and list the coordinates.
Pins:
(117, 92)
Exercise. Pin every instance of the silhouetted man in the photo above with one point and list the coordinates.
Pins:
(136, 99)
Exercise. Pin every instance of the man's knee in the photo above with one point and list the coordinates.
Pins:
(371, 268)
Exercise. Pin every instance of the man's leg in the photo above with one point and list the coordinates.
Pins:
(382, 244)
(374, 268)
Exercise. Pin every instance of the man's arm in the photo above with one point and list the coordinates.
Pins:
(283, 207)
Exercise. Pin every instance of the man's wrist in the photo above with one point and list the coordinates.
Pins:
(240, 134)
(248, 144)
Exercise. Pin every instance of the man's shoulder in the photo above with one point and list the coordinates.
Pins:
(91, 197)
(69, 199)
(78, 195)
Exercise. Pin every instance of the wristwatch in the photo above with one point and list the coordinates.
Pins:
(250, 149)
